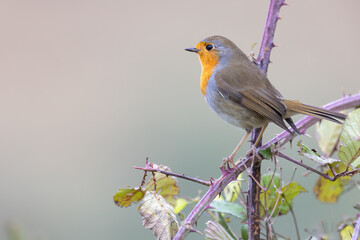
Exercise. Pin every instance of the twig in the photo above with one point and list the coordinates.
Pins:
(284, 137)
(336, 176)
(356, 233)
(294, 219)
(150, 169)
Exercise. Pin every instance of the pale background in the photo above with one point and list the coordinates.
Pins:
(88, 89)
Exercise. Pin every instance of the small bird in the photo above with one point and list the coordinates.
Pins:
(241, 94)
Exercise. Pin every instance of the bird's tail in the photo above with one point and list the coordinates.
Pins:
(294, 107)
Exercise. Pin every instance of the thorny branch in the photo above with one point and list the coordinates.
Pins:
(262, 61)
(219, 184)
(149, 168)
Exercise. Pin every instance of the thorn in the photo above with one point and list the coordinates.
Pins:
(278, 18)
(212, 180)
(285, 4)
(274, 45)
(194, 230)
(208, 207)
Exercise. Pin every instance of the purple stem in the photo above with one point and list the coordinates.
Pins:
(218, 185)
(267, 43)
(356, 233)
(262, 61)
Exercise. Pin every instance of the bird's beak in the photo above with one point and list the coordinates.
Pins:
(195, 50)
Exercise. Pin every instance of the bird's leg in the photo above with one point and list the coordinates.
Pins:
(258, 139)
(232, 155)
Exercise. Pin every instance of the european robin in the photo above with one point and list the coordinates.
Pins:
(240, 93)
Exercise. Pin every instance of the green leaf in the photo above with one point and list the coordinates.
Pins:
(266, 153)
(166, 186)
(124, 197)
(350, 139)
(229, 208)
(289, 192)
(245, 231)
(14, 231)
(158, 215)
(313, 155)
(327, 134)
(272, 185)
(215, 231)
(356, 164)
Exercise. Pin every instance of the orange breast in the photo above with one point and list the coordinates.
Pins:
(208, 60)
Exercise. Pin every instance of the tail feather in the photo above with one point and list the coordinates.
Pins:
(297, 107)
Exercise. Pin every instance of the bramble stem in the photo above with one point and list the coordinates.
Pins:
(263, 60)
(219, 184)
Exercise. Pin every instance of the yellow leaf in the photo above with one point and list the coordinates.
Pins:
(329, 191)
(124, 197)
(346, 232)
(166, 186)
(180, 204)
(232, 190)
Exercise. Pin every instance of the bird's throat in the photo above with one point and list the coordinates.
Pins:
(208, 63)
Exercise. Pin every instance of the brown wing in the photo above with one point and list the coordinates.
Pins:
(246, 85)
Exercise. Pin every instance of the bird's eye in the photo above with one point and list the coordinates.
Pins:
(209, 47)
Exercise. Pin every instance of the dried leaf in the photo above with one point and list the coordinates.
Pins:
(124, 197)
(215, 231)
(229, 208)
(329, 191)
(327, 134)
(166, 186)
(350, 139)
(158, 215)
(313, 155)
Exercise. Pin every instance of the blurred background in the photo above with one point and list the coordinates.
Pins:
(88, 89)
